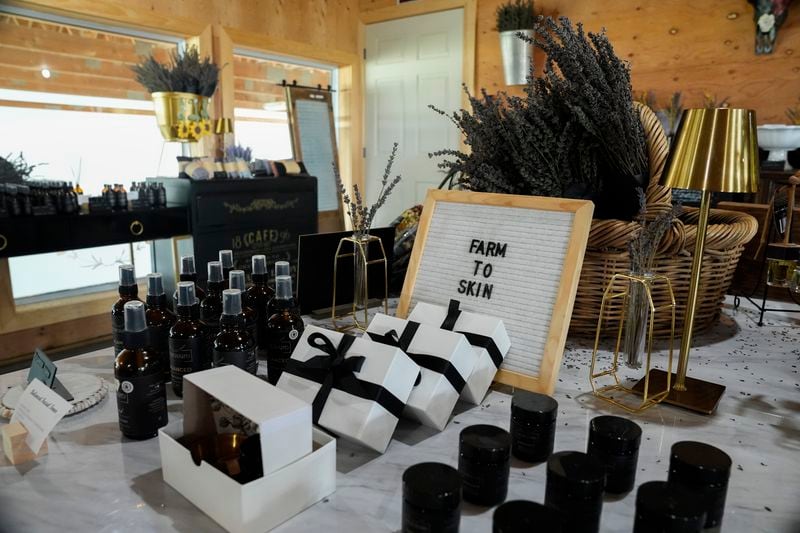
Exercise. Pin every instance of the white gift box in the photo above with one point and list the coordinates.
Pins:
(487, 335)
(356, 418)
(432, 400)
(299, 462)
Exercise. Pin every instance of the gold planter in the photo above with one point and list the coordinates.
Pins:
(182, 117)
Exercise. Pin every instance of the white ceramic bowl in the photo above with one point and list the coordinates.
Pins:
(778, 139)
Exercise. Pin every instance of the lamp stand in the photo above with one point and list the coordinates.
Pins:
(690, 393)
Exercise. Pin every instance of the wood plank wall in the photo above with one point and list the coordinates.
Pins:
(673, 45)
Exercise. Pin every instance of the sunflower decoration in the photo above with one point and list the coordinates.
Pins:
(205, 124)
(183, 129)
(195, 129)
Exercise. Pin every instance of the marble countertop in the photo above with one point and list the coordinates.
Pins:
(95, 480)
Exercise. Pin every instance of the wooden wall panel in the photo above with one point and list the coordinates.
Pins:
(676, 45)
(673, 45)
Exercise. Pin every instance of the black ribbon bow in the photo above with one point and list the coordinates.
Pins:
(475, 339)
(431, 362)
(333, 370)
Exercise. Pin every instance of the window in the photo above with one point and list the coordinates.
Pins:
(260, 110)
(69, 101)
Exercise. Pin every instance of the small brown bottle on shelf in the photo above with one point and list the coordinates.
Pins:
(236, 281)
(188, 344)
(211, 305)
(281, 269)
(139, 377)
(128, 291)
(159, 320)
(259, 295)
(226, 259)
(283, 329)
(188, 273)
(234, 345)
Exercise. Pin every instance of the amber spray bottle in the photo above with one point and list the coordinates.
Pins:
(159, 320)
(258, 295)
(188, 344)
(236, 281)
(128, 291)
(139, 376)
(211, 306)
(283, 329)
(234, 345)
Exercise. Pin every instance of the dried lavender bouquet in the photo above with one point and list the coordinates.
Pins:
(361, 215)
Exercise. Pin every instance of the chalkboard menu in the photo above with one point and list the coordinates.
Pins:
(260, 216)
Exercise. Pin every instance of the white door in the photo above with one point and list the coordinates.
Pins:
(411, 63)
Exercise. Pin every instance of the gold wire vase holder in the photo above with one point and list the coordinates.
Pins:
(605, 392)
(359, 247)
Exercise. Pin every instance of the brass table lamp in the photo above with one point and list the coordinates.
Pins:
(715, 150)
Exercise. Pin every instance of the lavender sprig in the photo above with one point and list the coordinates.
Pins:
(362, 215)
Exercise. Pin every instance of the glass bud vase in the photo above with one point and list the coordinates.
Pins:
(360, 261)
(637, 314)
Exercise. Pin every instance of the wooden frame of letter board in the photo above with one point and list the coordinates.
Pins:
(562, 309)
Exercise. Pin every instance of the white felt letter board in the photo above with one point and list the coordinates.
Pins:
(517, 258)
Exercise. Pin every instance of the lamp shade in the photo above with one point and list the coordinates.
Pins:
(714, 150)
(223, 125)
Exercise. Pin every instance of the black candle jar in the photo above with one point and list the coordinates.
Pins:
(614, 441)
(704, 470)
(484, 454)
(575, 488)
(520, 516)
(431, 498)
(662, 508)
(533, 426)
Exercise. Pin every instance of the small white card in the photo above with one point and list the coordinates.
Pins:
(39, 409)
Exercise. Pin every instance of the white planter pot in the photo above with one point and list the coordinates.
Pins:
(517, 56)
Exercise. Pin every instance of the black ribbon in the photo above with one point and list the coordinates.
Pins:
(431, 362)
(332, 370)
(475, 339)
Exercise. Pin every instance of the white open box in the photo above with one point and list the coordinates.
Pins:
(263, 503)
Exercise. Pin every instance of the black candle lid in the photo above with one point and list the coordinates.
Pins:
(485, 443)
(614, 434)
(697, 462)
(660, 502)
(523, 516)
(432, 486)
(533, 407)
(576, 472)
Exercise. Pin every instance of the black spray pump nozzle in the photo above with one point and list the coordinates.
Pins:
(186, 296)
(283, 287)
(155, 285)
(215, 272)
(134, 317)
(236, 280)
(232, 302)
(226, 258)
(259, 264)
(187, 265)
(282, 268)
(127, 275)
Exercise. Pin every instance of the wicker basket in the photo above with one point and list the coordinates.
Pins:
(607, 253)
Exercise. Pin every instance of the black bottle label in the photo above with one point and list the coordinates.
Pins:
(244, 359)
(280, 346)
(185, 356)
(142, 405)
(116, 333)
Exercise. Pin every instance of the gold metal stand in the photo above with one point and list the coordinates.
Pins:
(603, 392)
(698, 395)
(360, 250)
